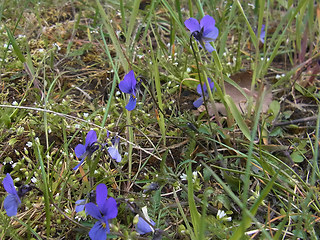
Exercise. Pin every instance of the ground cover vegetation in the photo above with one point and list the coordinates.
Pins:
(159, 119)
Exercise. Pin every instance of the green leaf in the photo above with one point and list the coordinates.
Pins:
(296, 157)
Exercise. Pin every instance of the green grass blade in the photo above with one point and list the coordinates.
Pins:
(238, 117)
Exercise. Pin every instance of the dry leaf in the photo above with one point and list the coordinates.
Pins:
(243, 79)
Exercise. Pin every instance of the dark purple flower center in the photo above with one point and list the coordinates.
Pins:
(92, 148)
(198, 35)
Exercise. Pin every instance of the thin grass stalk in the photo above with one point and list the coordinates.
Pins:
(107, 23)
(156, 76)
(195, 216)
(184, 217)
(29, 228)
(123, 16)
(45, 189)
(132, 23)
(200, 8)
(116, 80)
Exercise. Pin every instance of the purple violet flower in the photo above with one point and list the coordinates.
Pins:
(204, 32)
(113, 151)
(263, 33)
(12, 201)
(197, 103)
(90, 146)
(129, 85)
(143, 227)
(106, 209)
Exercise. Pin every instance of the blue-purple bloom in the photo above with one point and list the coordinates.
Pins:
(105, 209)
(12, 201)
(143, 227)
(263, 33)
(113, 151)
(90, 146)
(199, 101)
(129, 85)
(204, 32)
(80, 204)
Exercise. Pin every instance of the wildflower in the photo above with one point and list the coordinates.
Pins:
(82, 151)
(80, 205)
(12, 201)
(106, 209)
(113, 151)
(142, 226)
(129, 85)
(205, 32)
(221, 215)
(262, 33)
(199, 101)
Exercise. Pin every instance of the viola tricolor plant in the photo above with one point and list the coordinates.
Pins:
(105, 209)
(129, 85)
(12, 201)
(91, 145)
(199, 101)
(204, 32)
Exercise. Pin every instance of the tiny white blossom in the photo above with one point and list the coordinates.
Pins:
(29, 144)
(34, 180)
(85, 115)
(15, 103)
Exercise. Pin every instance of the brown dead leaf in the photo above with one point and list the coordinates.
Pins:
(243, 79)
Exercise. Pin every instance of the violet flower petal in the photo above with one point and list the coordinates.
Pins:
(98, 231)
(79, 164)
(132, 103)
(91, 138)
(101, 195)
(114, 153)
(208, 23)
(80, 204)
(209, 48)
(110, 209)
(192, 24)
(197, 103)
(11, 204)
(8, 185)
(128, 84)
(93, 210)
(79, 150)
(143, 227)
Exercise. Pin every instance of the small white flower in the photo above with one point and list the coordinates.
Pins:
(278, 76)
(188, 70)
(85, 115)
(37, 140)
(221, 214)
(118, 93)
(34, 180)
(183, 177)
(29, 144)
(15, 103)
(57, 46)
(13, 165)
(40, 50)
